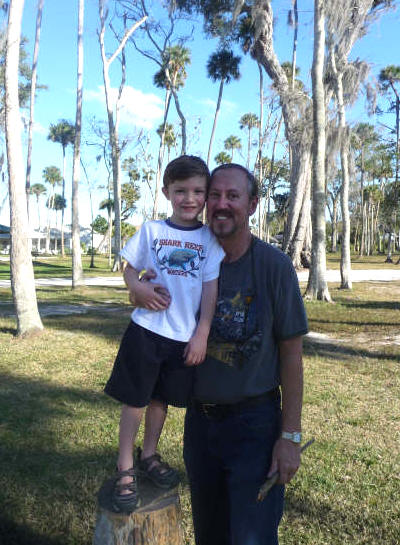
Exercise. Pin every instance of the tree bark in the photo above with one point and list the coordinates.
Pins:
(22, 277)
(161, 152)
(77, 271)
(317, 287)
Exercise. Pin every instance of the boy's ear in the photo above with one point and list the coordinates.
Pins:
(165, 191)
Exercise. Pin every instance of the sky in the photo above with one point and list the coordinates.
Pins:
(143, 103)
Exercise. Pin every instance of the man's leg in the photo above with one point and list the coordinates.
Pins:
(251, 436)
(208, 492)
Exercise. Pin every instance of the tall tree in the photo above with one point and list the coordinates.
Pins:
(222, 66)
(222, 157)
(62, 133)
(33, 94)
(113, 115)
(77, 270)
(22, 278)
(38, 190)
(232, 143)
(249, 121)
(52, 176)
(317, 287)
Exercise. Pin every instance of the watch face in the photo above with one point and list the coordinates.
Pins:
(294, 436)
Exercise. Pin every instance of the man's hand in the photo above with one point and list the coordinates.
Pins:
(148, 294)
(195, 350)
(285, 460)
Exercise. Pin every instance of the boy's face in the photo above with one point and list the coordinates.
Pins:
(187, 199)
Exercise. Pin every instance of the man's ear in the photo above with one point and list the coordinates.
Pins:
(165, 191)
(253, 205)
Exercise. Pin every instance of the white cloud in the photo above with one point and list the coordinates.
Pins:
(137, 108)
(227, 106)
(39, 129)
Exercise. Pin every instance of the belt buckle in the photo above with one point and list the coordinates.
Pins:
(207, 409)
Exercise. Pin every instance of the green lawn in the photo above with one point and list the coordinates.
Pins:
(58, 431)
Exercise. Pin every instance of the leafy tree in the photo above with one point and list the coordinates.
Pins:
(390, 78)
(52, 176)
(232, 143)
(128, 230)
(99, 225)
(222, 66)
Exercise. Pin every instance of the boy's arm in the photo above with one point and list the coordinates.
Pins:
(145, 294)
(196, 349)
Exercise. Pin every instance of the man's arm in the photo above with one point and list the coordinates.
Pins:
(286, 454)
(145, 294)
(196, 349)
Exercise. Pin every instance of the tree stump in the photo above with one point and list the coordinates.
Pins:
(157, 521)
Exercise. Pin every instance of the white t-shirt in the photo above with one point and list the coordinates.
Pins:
(183, 259)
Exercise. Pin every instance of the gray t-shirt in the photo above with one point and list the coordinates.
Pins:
(259, 303)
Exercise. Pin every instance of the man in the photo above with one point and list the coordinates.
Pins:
(245, 420)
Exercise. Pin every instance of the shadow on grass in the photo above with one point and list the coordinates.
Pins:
(376, 305)
(359, 323)
(332, 351)
(13, 533)
(110, 325)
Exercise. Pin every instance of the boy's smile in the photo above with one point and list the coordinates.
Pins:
(187, 199)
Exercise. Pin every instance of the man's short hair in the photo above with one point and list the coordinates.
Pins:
(185, 167)
(252, 184)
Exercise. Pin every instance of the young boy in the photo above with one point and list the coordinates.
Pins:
(159, 350)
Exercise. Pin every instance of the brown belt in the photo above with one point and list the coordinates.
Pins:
(222, 410)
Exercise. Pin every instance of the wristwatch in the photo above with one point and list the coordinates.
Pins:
(295, 436)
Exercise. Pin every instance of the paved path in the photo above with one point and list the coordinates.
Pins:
(379, 275)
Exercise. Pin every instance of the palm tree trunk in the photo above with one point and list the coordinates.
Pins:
(317, 287)
(77, 270)
(32, 97)
(221, 87)
(22, 277)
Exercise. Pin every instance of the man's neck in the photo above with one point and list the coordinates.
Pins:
(236, 246)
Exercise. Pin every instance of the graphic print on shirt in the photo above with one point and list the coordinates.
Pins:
(177, 257)
(234, 336)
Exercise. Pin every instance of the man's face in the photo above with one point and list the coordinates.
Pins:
(228, 204)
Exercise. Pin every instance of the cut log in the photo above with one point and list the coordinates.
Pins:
(157, 521)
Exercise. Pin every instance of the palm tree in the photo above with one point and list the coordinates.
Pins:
(222, 66)
(249, 122)
(22, 278)
(222, 157)
(231, 143)
(38, 190)
(62, 133)
(175, 60)
(169, 136)
(52, 176)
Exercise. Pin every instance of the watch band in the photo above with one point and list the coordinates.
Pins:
(295, 436)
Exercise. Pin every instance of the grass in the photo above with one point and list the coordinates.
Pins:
(60, 267)
(58, 431)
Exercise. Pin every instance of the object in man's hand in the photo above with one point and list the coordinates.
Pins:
(269, 483)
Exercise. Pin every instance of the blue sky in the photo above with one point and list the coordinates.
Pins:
(143, 103)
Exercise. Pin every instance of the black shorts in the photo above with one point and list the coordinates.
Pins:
(149, 366)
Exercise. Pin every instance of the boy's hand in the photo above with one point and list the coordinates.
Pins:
(195, 350)
(150, 295)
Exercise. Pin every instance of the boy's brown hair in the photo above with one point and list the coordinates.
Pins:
(185, 167)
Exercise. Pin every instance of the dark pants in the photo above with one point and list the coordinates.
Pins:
(227, 460)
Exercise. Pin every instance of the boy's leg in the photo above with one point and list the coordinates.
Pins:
(128, 428)
(156, 413)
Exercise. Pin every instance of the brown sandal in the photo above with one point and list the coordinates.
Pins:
(125, 503)
(157, 471)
